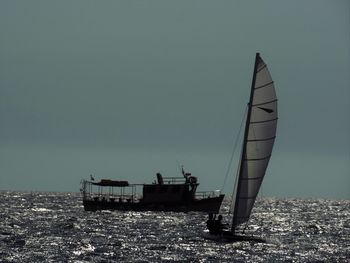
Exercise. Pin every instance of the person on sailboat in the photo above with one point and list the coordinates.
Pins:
(210, 223)
(215, 226)
(219, 225)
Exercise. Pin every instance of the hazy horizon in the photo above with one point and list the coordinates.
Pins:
(126, 89)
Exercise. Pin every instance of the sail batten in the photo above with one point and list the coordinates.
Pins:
(261, 68)
(254, 122)
(255, 178)
(261, 140)
(263, 86)
(264, 103)
(259, 137)
(258, 159)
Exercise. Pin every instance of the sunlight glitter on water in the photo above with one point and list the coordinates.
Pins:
(55, 228)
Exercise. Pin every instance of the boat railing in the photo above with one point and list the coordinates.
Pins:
(113, 193)
(126, 198)
(174, 180)
(207, 194)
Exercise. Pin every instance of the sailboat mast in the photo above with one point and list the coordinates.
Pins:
(246, 131)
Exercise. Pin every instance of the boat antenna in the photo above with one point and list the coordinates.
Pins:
(181, 168)
(234, 150)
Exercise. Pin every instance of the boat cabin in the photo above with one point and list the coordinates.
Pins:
(170, 189)
(164, 194)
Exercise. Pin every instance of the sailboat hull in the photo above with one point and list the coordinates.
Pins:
(228, 236)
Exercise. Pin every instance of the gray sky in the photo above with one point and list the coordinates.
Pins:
(124, 89)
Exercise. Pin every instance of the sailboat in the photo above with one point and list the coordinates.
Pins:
(258, 141)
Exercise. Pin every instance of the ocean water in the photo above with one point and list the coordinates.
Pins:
(53, 227)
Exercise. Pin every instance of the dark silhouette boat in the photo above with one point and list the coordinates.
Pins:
(177, 194)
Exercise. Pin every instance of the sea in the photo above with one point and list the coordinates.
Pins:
(53, 227)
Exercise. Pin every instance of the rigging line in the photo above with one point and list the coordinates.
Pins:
(234, 150)
(234, 190)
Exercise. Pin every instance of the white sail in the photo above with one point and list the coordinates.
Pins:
(258, 141)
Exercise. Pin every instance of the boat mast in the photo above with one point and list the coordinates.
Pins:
(246, 131)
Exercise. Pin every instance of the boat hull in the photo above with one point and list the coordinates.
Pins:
(228, 236)
(207, 205)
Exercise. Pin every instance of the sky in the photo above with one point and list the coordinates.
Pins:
(126, 89)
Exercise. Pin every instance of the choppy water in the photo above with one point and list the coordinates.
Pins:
(53, 227)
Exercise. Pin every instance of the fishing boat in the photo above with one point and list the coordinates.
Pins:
(177, 194)
(258, 141)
